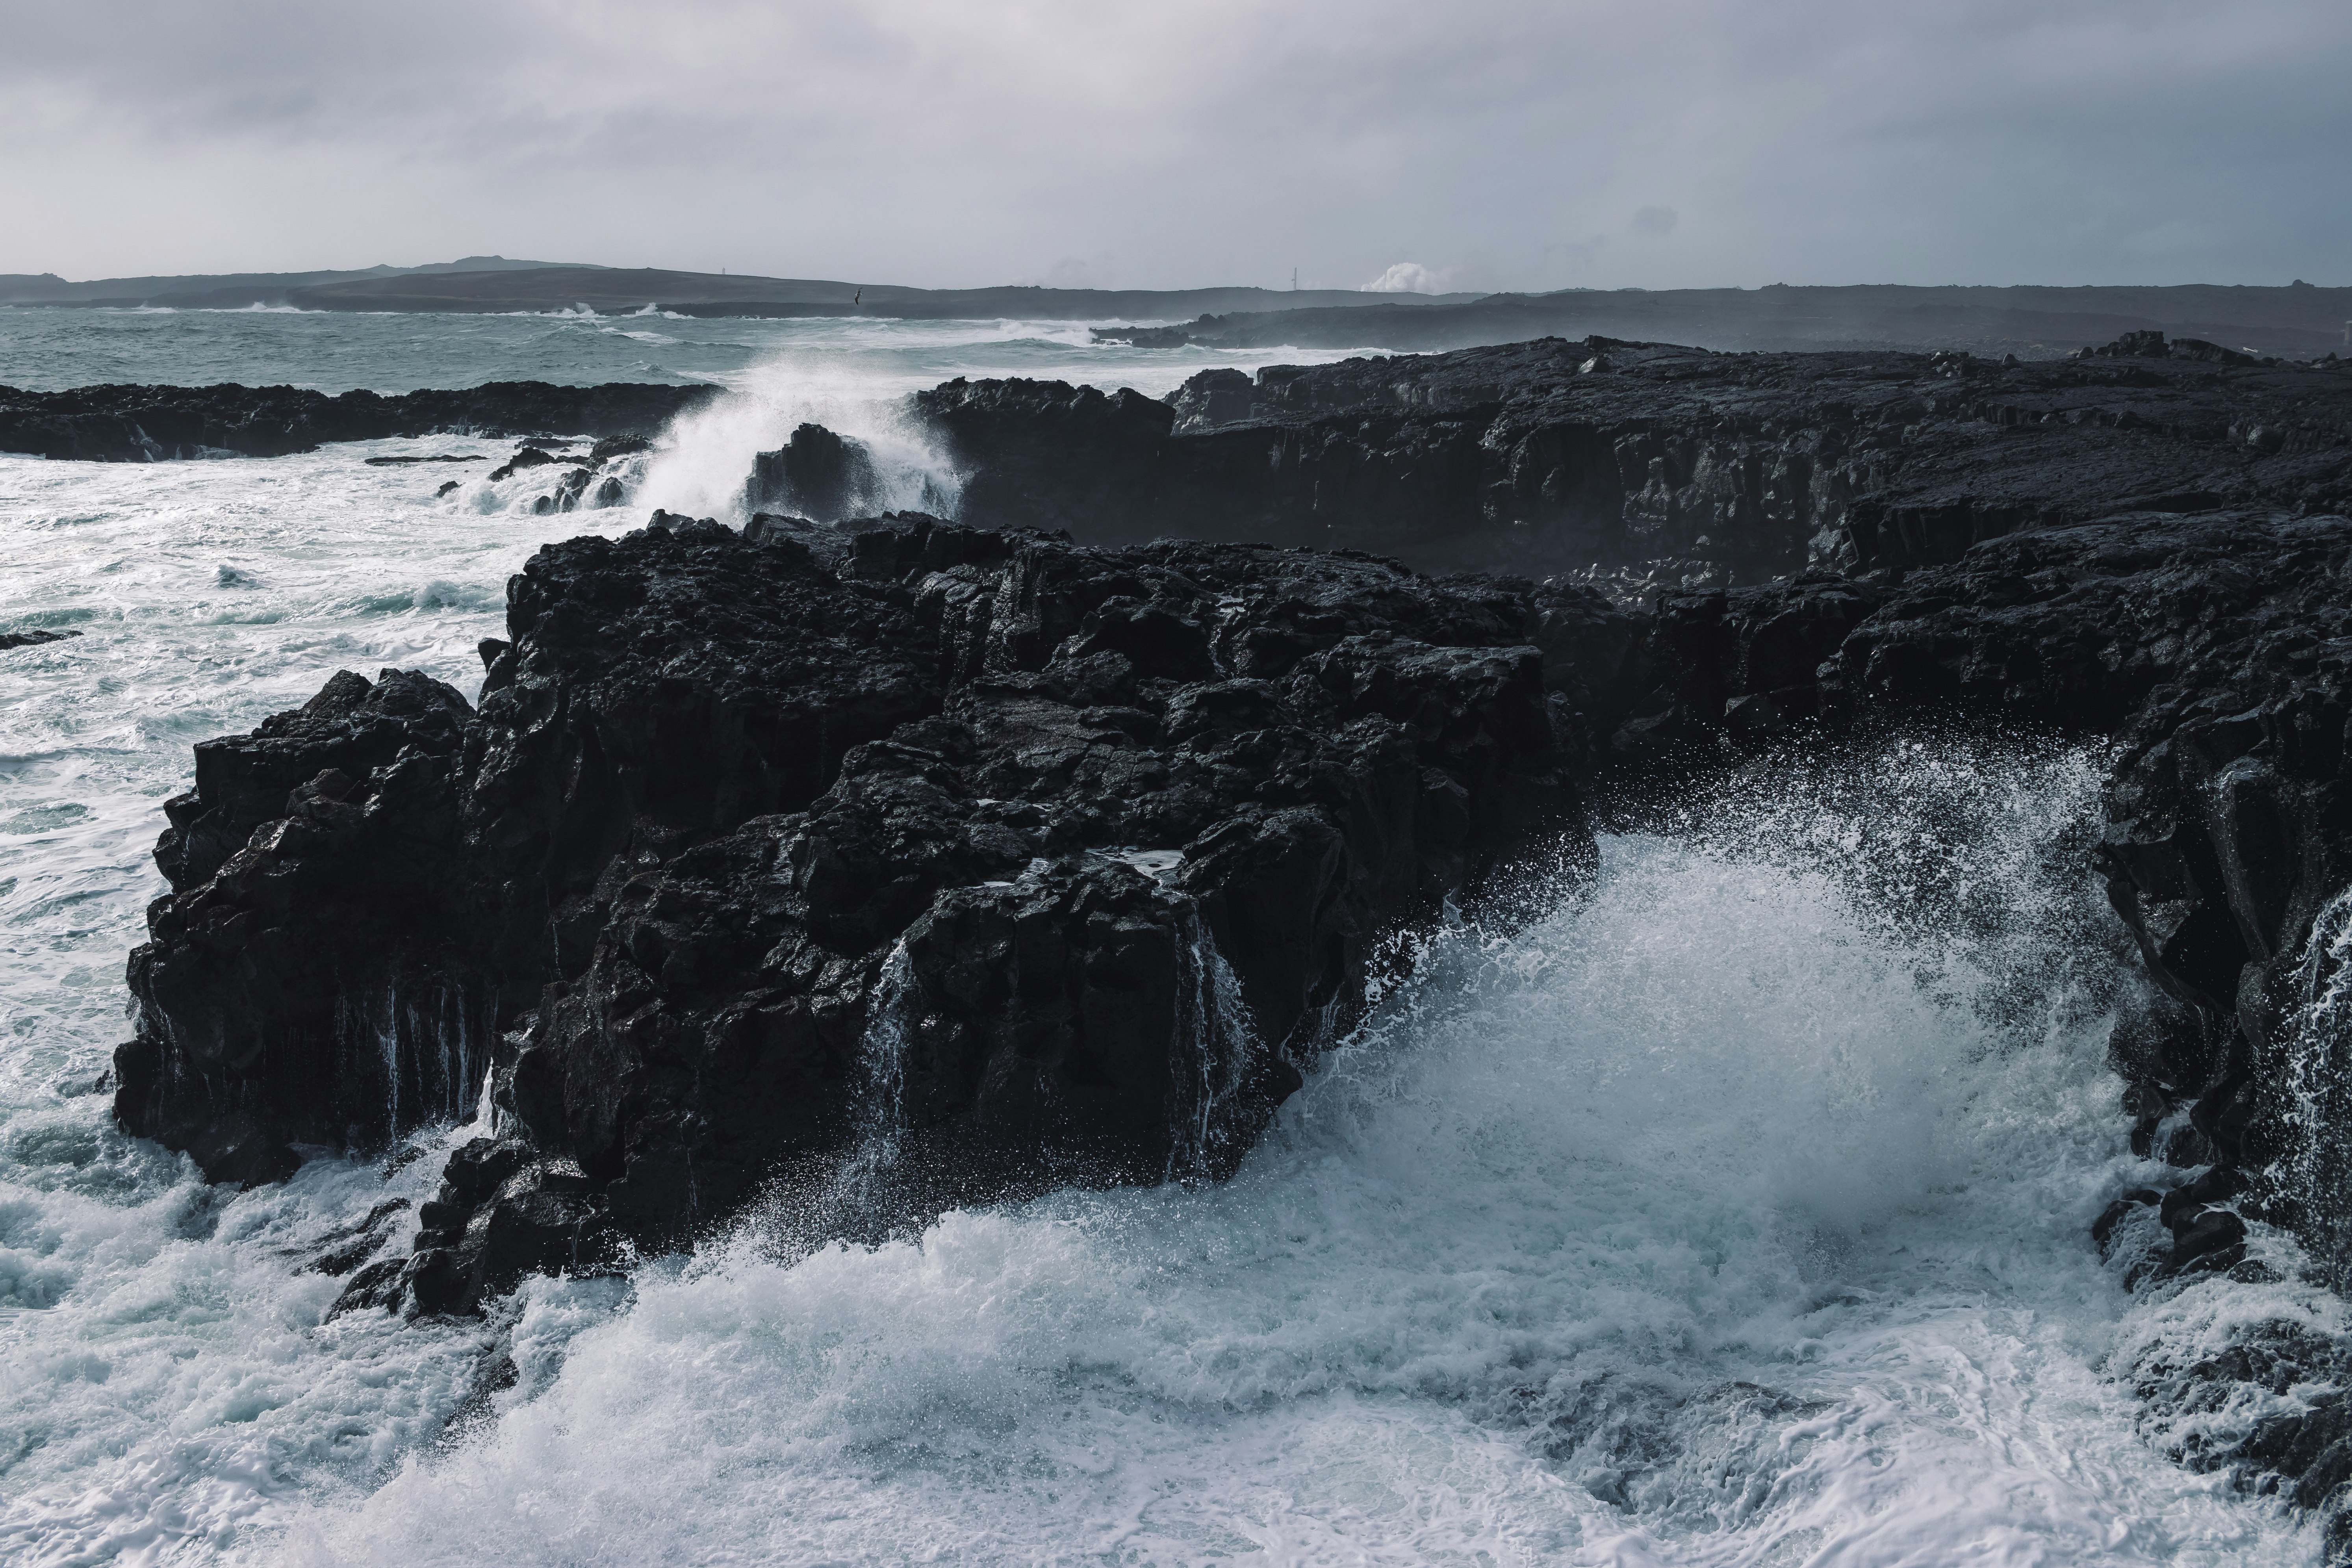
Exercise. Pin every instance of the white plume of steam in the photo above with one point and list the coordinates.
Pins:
(1408, 278)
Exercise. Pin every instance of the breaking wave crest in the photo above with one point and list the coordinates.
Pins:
(702, 466)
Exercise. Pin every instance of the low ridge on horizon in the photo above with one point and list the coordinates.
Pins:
(2297, 319)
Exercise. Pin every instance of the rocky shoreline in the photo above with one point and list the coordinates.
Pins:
(156, 424)
(1550, 457)
(1111, 839)
(906, 862)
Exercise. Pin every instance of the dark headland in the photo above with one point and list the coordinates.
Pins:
(870, 864)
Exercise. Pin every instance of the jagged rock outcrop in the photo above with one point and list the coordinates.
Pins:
(148, 424)
(1044, 454)
(1554, 456)
(1021, 862)
(815, 475)
(33, 639)
(335, 817)
(1057, 859)
(715, 783)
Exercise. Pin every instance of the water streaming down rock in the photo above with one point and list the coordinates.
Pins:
(430, 1048)
(1214, 1040)
(2318, 1080)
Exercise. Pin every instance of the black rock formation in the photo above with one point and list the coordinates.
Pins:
(1007, 860)
(817, 475)
(1055, 861)
(1555, 455)
(527, 457)
(145, 424)
(924, 731)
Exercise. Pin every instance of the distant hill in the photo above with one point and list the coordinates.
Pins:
(481, 284)
(231, 289)
(736, 294)
(2298, 321)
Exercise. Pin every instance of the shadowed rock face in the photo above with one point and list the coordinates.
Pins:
(149, 423)
(1053, 860)
(1552, 456)
(816, 475)
(717, 788)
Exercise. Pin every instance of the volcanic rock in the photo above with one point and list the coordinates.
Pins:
(527, 457)
(1058, 861)
(147, 424)
(817, 474)
(32, 639)
(1738, 466)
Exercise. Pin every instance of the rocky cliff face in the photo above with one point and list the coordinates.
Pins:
(1041, 863)
(915, 862)
(1552, 457)
(1080, 850)
(150, 424)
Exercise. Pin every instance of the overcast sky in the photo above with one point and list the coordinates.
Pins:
(1440, 143)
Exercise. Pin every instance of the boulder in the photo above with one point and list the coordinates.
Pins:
(817, 475)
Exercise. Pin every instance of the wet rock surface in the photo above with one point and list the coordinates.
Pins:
(817, 475)
(1038, 862)
(150, 424)
(1556, 456)
(1012, 860)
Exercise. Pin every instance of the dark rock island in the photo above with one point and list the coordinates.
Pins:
(150, 424)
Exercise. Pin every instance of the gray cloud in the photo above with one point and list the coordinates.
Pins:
(939, 142)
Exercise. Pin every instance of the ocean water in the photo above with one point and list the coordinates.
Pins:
(1727, 1207)
(47, 349)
